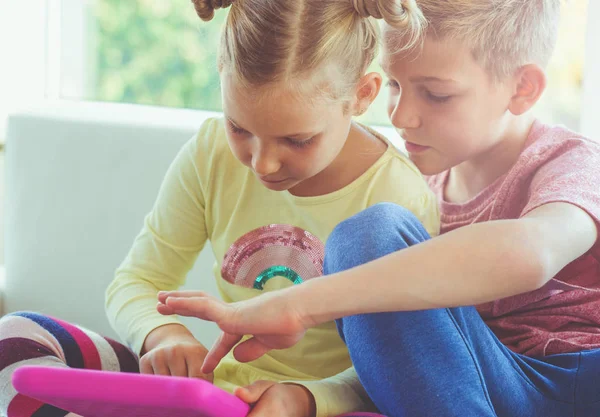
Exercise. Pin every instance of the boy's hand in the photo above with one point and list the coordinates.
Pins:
(281, 400)
(271, 319)
(177, 354)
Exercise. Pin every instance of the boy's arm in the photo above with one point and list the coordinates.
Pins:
(469, 266)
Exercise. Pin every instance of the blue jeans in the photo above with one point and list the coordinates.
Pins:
(447, 362)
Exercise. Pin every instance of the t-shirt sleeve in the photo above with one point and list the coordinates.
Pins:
(339, 394)
(401, 183)
(571, 175)
(565, 171)
(173, 234)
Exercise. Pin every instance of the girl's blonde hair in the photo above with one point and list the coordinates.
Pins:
(503, 35)
(329, 43)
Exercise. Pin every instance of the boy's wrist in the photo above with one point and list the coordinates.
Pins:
(307, 301)
(300, 300)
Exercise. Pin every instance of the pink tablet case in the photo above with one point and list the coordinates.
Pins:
(113, 394)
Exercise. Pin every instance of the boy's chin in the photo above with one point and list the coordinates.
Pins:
(427, 166)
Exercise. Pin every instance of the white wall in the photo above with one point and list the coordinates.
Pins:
(22, 55)
(590, 114)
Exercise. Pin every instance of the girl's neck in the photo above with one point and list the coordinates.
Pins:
(470, 178)
(361, 150)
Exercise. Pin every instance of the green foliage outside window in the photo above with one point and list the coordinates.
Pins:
(158, 52)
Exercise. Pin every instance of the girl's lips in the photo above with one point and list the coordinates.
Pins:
(414, 148)
(272, 181)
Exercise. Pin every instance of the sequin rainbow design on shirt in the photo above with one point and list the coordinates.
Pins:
(275, 250)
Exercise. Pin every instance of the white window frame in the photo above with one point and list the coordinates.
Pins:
(71, 19)
(44, 42)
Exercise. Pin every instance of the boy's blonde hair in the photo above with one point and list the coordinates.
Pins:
(503, 35)
(329, 43)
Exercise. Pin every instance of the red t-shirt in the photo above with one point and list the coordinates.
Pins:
(556, 165)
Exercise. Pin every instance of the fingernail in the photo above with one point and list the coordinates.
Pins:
(170, 299)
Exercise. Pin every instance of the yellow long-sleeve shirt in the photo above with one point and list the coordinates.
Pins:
(263, 240)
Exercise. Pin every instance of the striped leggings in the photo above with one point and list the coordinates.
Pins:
(33, 339)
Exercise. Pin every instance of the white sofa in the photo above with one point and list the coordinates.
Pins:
(80, 178)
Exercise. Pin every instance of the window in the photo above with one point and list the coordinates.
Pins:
(154, 52)
(159, 53)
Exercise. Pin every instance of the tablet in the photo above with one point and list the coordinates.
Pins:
(92, 393)
(362, 414)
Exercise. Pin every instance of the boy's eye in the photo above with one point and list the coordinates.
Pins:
(437, 98)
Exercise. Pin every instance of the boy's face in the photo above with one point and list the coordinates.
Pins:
(446, 106)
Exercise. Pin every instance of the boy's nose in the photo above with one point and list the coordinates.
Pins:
(405, 116)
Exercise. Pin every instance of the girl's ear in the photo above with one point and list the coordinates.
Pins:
(366, 91)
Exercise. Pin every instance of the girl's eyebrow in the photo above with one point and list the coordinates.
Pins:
(291, 136)
(299, 135)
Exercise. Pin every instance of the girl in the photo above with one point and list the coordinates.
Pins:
(265, 185)
(520, 212)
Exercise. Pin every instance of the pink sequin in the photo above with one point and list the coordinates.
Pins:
(273, 245)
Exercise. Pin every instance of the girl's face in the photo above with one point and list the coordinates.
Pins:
(285, 139)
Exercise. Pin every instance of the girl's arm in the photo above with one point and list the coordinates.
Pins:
(339, 394)
(163, 253)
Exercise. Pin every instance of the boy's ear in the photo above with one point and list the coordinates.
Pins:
(367, 90)
(530, 83)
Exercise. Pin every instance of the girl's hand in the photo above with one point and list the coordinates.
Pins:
(281, 400)
(271, 319)
(173, 358)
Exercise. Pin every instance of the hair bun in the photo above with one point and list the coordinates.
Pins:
(385, 9)
(206, 8)
(367, 8)
(404, 15)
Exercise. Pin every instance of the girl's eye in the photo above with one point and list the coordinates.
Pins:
(235, 129)
(300, 143)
